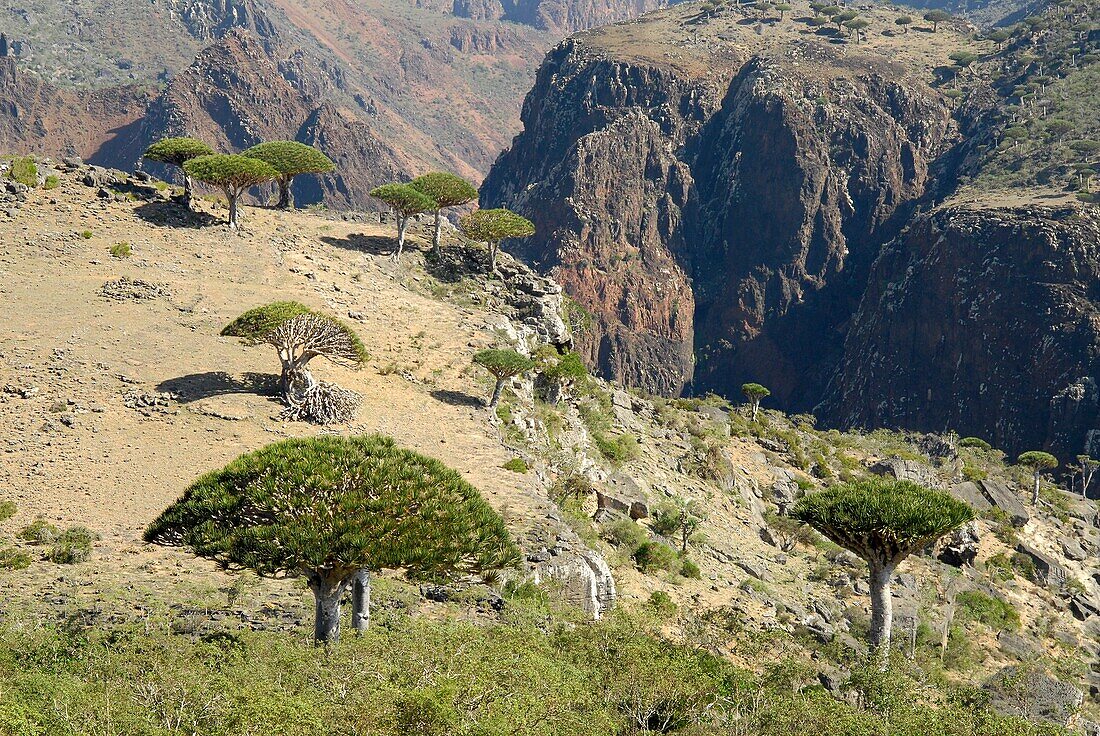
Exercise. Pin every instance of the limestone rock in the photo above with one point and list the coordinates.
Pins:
(585, 580)
(1033, 694)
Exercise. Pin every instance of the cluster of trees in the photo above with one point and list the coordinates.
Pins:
(235, 174)
(438, 191)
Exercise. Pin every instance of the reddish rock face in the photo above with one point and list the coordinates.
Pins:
(717, 227)
(984, 320)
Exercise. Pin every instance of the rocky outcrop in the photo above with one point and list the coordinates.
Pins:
(583, 578)
(1028, 692)
(985, 321)
(706, 220)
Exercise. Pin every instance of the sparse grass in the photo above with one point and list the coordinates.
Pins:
(39, 531)
(13, 558)
(7, 510)
(72, 546)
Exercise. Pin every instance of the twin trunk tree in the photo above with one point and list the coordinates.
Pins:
(883, 521)
(334, 510)
(177, 152)
(755, 393)
(300, 335)
(290, 159)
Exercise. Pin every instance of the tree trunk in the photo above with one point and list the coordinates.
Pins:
(437, 234)
(402, 225)
(327, 589)
(496, 393)
(188, 190)
(882, 610)
(755, 409)
(493, 247)
(360, 600)
(233, 224)
(284, 193)
(1035, 490)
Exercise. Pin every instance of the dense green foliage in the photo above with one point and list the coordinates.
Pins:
(450, 678)
(403, 199)
(24, 171)
(255, 324)
(1038, 460)
(337, 503)
(177, 151)
(992, 611)
(881, 515)
(230, 171)
(445, 189)
(291, 158)
(503, 363)
(492, 226)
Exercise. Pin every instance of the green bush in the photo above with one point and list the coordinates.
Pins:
(7, 510)
(13, 558)
(86, 234)
(120, 250)
(653, 557)
(72, 546)
(619, 449)
(690, 570)
(516, 465)
(661, 603)
(625, 534)
(24, 171)
(53, 181)
(994, 612)
(39, 531)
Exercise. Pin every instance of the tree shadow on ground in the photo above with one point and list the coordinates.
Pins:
(375, 245)
(457, 398)
(198, 386)
(174, 214)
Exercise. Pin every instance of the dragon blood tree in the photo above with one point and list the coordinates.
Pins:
(299, 335)
(334, 510)
(882, 521)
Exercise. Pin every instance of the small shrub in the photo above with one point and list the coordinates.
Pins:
(994, 612)
(120, 250)
(24, 171)
(13, 558)
(86, 234)
(571, 487)
(999, 567)
(1025, 566)
(625, 534)
(666, 519)
(654, 556)
(53, 181)
(7, 510)
(690, 570)
(620, 449)
(74, 545)
(39, 531)
(972, 472)
(516, 465)
(662, 603)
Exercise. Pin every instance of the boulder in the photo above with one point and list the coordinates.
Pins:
(1082, 608)
(970, 493)
(1047, 567)
(960, 547)
(623, 494)
(1003, 498)
(584, 580)
(910, 470)
(1032, 694)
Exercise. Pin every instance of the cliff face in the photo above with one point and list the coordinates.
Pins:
(705, 218)
(976, 314)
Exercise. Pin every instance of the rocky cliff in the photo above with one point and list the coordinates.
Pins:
(704, 209)
(977, 313)
(723, 193)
